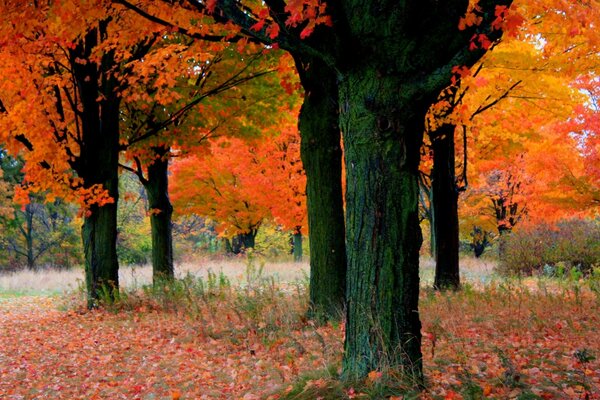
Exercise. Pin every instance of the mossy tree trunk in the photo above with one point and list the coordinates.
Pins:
(322, 160)
(382, 136)
(445, 208)
(391, 60)
(161, 212)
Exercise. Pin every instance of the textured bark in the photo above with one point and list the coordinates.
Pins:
(382, 137)
(322, 160)
(432, 236)
(157, 188)
(98, 164)
(445, 208)
(391, 59)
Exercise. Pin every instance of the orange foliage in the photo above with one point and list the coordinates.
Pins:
(238, 184)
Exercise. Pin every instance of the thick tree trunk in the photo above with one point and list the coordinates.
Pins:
(161, 212)
(445, 209)
(99, 232)
(98, 164)
(322, 160)
(297, 245)
(382, 136)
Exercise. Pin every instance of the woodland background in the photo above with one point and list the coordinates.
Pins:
(206, 176)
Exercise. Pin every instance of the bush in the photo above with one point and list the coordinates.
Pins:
(552, 250)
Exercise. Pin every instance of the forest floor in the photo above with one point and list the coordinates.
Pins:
(211, 339)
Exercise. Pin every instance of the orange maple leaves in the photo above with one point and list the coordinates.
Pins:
(241, 183)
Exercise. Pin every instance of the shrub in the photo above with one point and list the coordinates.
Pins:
(552, 250)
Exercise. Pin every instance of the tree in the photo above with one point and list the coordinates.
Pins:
(166, 115)
(516, 68)
(318, 123)
(285, 172)
(223, 187)
(241, 183)
(76, 74)
(384, 100)
(36, 233)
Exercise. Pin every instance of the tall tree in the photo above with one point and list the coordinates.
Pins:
(318, 123)
(75, 73)
(322, 159)
(168, 114)
(384, 100)
(516, 68)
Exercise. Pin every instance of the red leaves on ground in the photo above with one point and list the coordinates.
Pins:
(503, 341)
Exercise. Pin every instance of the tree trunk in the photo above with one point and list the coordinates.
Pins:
(29, 236)
(322, 160)
(161, 212)
(297, 245)
(99, 232)
(382, 137)
(248, 239)
(445, 209)
(243, 241)
(432, 236)
(98, 164)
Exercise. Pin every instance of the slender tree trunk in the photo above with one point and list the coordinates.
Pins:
(322, 160)
(161, 212)
(382, 136)
(29, 237)
(432, 236)
(297, 245)
(445, 209)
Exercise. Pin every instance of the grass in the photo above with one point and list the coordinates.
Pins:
(243, 334)
(54, 282)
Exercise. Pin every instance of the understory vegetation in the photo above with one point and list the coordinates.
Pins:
(496, 338)
(570, 246)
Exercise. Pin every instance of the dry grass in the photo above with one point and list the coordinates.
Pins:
(54, 281)
(59, 281)
(501, 339)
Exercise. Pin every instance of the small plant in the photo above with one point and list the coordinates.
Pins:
(584, 356)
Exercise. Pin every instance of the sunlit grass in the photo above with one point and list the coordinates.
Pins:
(53, 281)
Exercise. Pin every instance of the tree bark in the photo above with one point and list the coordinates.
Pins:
(97, 164)
(432, 236)
(161, 212)
(297, 245)
(445, 208)
(29, 237)
(322, 160)
(382, 136)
